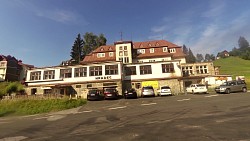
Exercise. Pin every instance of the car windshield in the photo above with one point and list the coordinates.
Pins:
(110, 90)
(148, 87)
(165, 87)
(225, 84)
(92, 91)
(200, 85)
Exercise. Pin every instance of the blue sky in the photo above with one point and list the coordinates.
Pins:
(42, 32)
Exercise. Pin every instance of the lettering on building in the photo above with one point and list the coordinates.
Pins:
(103, 77)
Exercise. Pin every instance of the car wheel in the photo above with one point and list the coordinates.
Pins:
(192, 91)
(227, 91)
(244, 90)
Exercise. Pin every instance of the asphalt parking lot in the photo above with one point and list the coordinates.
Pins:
(203, 117)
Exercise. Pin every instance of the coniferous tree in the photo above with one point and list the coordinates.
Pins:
(199, 57)
(243, 43)
(185, 50)
(190, 57)
(77, 49)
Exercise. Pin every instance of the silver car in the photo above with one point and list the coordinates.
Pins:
(147, 91)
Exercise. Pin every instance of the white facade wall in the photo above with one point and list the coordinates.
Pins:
(3, 69)
(152, 60)
(156, 71)
(73, 79)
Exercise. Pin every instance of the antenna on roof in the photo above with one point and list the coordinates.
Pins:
(121, 35)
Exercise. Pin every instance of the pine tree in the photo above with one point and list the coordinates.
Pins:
(77, 49)
(190, 58)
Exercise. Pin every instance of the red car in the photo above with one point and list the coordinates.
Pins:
(111, 93)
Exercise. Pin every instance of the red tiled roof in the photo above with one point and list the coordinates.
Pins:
(156, 44)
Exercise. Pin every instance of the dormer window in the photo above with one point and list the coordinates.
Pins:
(141, 51)
(110, 48)
(152, 50)
(111, 54)
(165, 49)
(172, 50)
(100, 55)
(157, 44)
(149, 45)
(141, 46)
(102, 49)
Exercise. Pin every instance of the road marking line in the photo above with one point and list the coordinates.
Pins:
(40, 118)
(117, 108)
(212, 95)
(148, 104)
(184, 99)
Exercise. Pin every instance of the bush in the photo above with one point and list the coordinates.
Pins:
(10, 87)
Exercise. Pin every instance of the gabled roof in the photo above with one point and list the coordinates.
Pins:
(152, 44)
(156, 44)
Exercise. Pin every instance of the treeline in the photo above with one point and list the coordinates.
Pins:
(85, 44)
(243, 51)
(190, 58)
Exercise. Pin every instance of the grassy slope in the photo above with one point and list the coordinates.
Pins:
(234, 66)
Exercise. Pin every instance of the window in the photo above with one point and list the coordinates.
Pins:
(99, 55)
(125, 53)
(49, 74)
(66, 73)
(172, 50)
(111, 54)
(121, 59)
(125, 48)
(141, 51)
(152, 50)
(187, 70)
(47, 91)
(151, 60)
(130, 70)
(120, 48)
(146, 69)
(95, 71)
(201, 69)
(35, 75)
(167, 68)
(81, 72)
(126, 60)
(165, 49)
(111, 69)
(3, 64)
(120, 53)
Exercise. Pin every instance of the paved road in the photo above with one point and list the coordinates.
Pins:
(208, 117)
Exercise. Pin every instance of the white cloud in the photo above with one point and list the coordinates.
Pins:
(215, 9)
(56, 14)
(62, 16)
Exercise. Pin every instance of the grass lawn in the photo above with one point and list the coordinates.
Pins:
(234, 66)
(19, 107)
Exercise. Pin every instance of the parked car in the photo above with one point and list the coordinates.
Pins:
(111, 93)
(164, 90)
(131, 93)
(95, 94)
(196, 88)
(231, 86)
(147, 91)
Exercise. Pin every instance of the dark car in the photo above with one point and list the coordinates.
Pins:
(95, 94)
(131, 93)
(231, 86)
(111, 93)
(147, 91)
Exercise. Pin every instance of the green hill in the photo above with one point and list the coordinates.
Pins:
(234, 66)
